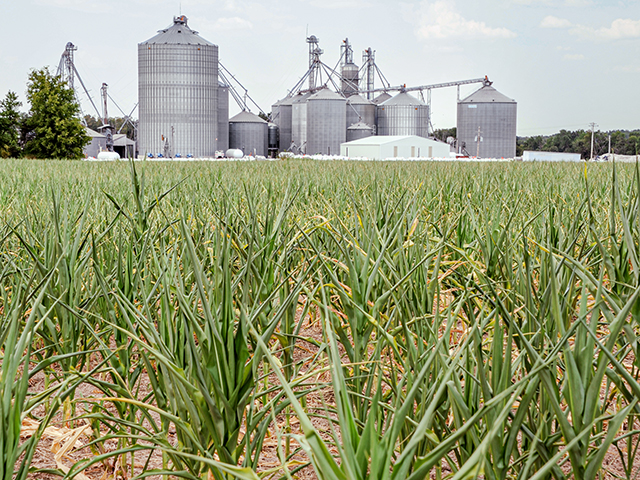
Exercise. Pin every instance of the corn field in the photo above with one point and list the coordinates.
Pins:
(336, 321)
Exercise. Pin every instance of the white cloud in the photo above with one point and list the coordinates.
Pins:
(620, 28)
(87, 6)
(232, 23)
(555, 22)
(439, 20)
(576, 56)
(555, 3)
(340, 4)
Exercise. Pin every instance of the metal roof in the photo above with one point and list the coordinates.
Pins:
(178, 34)
(385, 139)
(403, 99)
(300, 98)
(246, 117)
(358, 100)
(93, 133)
(487, 94)
(326, 94)
(383, 97)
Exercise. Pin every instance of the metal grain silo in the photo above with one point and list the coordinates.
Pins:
(299, 122)
(274, 139)
(495, 116)
(282, 112)
(223, 118)
(383, 97)
(326, 123)
(403, 115)
(178, 92)
(249, 133)
(350, 79)
(360, 110)
(358, 131)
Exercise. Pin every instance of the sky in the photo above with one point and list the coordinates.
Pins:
(566, 62)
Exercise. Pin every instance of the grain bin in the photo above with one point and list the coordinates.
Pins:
(360, 110)
(178, 92)
(350, 79)
(249, 133)
(299, 123)
(495, 116)
(274, 139)
(358, 131)
(383, 97)
(403, 115)
(326, 123)
(223, 118)
(282, 112)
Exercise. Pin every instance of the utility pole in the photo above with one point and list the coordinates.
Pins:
(609, 144)
(593, 132)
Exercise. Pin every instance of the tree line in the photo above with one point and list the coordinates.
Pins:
(623, 142)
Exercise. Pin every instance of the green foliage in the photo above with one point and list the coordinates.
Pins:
(117, 122)
(622, 143)
(443, 133)
(10, 120)
(370, 321)
(55, 131)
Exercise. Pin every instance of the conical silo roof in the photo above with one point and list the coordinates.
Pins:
(326, 94)
(358, 100)
(247, 117)
(487, 94)
(403, 99)
(383, 97)
(177, 34)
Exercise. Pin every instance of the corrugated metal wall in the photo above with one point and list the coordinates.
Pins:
(403, 120)
(178, 87)
(327, 126)
(223, 118)
(497, 122)
(251, 138)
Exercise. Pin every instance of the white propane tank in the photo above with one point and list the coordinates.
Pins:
(108, 156)
(234, 153)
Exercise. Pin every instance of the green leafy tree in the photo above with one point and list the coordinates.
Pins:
(443, 133)
(55, 131)
(10, 120)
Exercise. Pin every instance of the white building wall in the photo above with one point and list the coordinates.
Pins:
(409, 147)
(528, 156)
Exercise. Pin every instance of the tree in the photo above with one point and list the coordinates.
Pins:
(443, 133)
(55, 131)
(10, 120)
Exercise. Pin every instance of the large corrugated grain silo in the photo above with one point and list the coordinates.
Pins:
(223, 118)
(249, 133)
(281, 115)
(403, 115)
(360, 110)
(299, 122)
(326, 123)
(494, 116)
(178, 92)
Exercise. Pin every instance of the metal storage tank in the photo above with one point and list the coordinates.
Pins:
(327, 123)
(249, 133)
(360, 110)
(403, 115)
(282, 116)
(496, 117)
(299, 123)
(274, 139)
(178, 92)
(358, 131)
(223, 118)
(383, 97)
(350, 79)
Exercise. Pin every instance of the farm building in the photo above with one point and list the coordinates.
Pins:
(407, 146)
(528, 156)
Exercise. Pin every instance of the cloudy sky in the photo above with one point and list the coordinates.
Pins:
(566, 62)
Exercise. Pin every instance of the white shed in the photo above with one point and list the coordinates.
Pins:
(528, 156)
(389, 147)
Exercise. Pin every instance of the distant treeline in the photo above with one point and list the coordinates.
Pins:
(623, 142)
